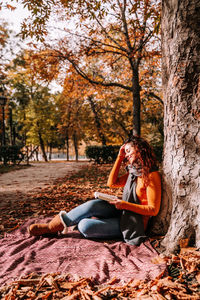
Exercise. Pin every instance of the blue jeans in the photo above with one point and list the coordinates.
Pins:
(105, 225)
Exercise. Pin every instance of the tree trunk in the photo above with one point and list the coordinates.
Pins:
(35, 150)
(67, 145)
(36, 153)
(97, 121)
(136, 102)
(3, 127)
(11, 126)
(50, 151)
(42, 146)
(14, 136)
(181, 87)
(75, 145)
(24, 120)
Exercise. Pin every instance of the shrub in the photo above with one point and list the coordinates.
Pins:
(108, 154)
(13, 154)
(102, 154)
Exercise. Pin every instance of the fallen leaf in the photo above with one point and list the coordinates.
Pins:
(198, 277)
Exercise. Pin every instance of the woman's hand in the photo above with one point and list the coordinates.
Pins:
(118, 203)
(122, 153)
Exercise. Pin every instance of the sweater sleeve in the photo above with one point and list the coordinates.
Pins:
(153, 192)
(115, 181)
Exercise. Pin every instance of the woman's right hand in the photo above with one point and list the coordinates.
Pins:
(122, 153)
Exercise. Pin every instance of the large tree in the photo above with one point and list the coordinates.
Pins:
(116, 35)
(181, 87)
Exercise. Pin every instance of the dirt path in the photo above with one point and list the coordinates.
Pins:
(19, 183)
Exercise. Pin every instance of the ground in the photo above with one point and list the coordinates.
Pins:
(16, 187)
(43, 189)
(35, 177)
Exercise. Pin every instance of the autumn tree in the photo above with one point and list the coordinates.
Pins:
(33, 105)
(118, 35)
(3, 38)
(104, 116)
(115, 111)
(181, 87)
(69, 125)
(41, 120)
(7, 42)
(72, 112)
(4, 35)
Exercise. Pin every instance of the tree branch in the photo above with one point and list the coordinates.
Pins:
(151, 94)
(85, 76)
(109, 37)
(107, 51)
(99, 42)
(123, 10)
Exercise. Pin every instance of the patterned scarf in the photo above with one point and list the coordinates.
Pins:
(131, 224)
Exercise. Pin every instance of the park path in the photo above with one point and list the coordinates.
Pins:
(21, 182)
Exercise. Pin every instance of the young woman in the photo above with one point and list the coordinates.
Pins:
(127, 218)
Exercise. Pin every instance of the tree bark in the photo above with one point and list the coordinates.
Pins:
(181, 89)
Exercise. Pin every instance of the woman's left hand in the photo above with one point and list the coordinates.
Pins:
(118, 204)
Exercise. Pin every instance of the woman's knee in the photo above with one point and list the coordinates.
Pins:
(85, 227)
(100, 228)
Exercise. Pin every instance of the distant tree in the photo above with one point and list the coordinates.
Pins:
(7, 39)
(71, 110)
(34, 108)
(40, 120)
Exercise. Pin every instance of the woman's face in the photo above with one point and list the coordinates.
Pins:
(130, 153)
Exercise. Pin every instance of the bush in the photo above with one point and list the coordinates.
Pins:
(13, 154)
(108, 154)
(102, 154)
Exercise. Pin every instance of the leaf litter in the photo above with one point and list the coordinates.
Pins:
(181, 281)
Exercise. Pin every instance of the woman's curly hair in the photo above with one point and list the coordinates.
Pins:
(145, 158)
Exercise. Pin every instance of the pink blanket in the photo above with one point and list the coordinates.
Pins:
(72, 254)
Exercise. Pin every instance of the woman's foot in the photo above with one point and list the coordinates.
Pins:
(54, 226)
(39, 229)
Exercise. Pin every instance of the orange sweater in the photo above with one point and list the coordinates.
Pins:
(149, 197)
